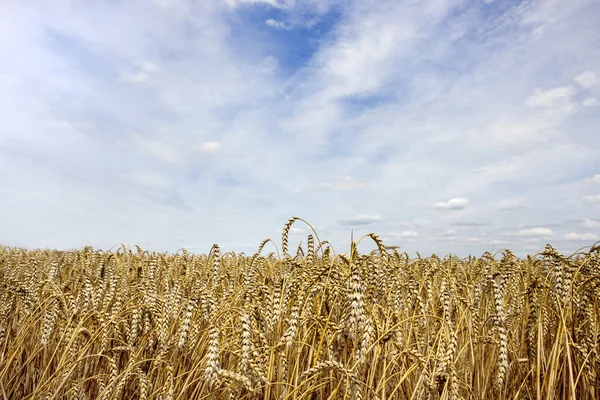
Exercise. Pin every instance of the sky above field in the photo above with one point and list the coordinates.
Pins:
(446, 126)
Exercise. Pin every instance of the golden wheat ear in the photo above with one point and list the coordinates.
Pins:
(141, 324)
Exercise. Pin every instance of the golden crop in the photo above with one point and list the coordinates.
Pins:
(122, 325)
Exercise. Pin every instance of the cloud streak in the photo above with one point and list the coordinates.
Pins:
(345, 183)
(592, 199)
(211, 147)
(581, 236)
(536, 232)
(457, 203)
(590, 224)
(361, 220)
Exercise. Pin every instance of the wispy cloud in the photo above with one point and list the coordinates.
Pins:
(457, 203)
(211, 147)
(140, 72)
(550, 97)
(294, 230)
(587, 79)
(593, 179)
(590, 224)
(159, 149)
(592, 199)
(409, 234)
(536, 232)
(272, 3)
(269, 65)
(345, 183)
(581, 236)
(277, 24)
(469, 223)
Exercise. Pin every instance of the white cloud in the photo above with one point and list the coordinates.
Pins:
(457, 203)
(294, 230)
(141, 72)
(538, 231)
(590, 224)
(517, 131)
(367, 47)
(345, 183)
(580, 236)
(210, 147)
(550, 97)
(590, 101)
(273, 3)
(593, 179)
(592, 199)
(587, 79)
(269, 65)
(277, 24)
(409, 234)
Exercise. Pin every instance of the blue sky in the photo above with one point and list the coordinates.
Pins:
(447, 126)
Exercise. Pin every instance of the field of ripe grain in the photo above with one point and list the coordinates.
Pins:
(318, 325)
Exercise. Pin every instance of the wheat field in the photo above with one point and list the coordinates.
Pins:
(126, 324)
